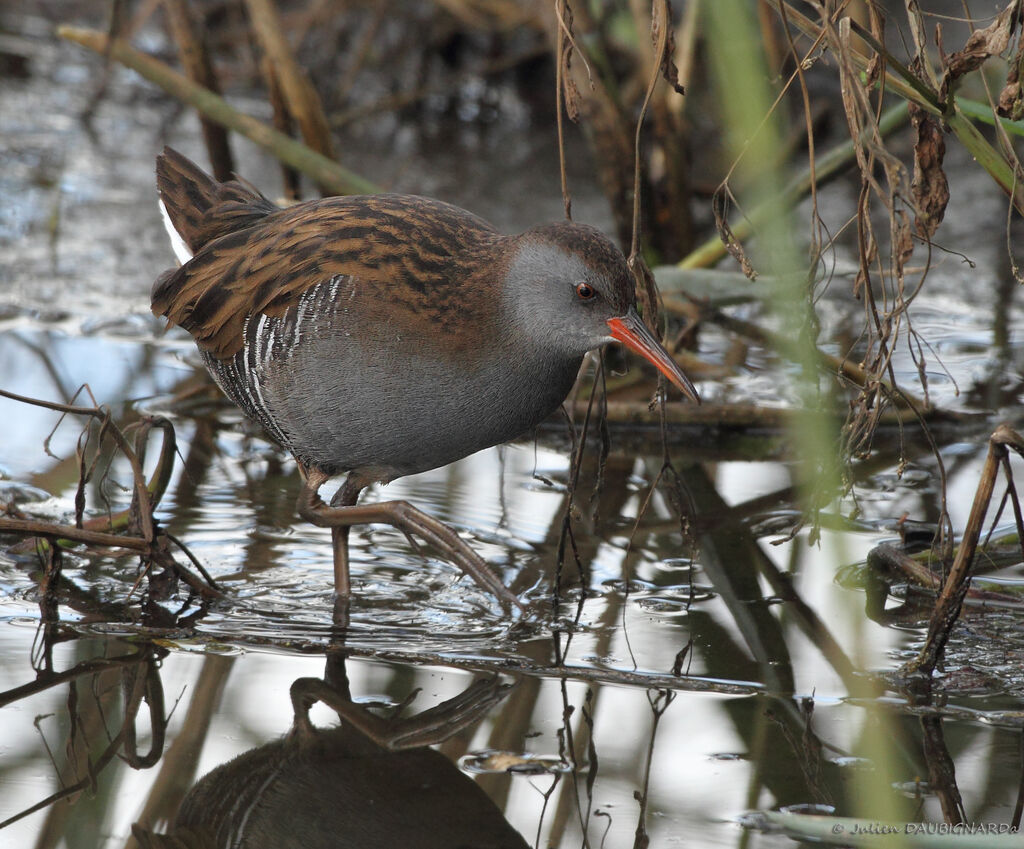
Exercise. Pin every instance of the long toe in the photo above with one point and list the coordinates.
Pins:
(448, 542)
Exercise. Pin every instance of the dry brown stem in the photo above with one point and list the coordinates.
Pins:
(322, 170)
(195, 59)
(950, 601)
(298, 92)
(141, 533)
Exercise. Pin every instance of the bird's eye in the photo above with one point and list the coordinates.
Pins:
(584, 291)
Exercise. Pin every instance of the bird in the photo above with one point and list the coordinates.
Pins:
(377, 336)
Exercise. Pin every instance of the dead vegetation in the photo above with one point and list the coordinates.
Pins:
(101, 444)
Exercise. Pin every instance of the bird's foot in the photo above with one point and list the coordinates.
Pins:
(405, 517)
(433, 531)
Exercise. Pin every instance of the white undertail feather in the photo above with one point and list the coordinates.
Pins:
(178, 245)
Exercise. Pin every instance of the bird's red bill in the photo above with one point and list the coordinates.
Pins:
(630, 330)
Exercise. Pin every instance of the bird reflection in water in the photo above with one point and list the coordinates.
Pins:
(369, 782)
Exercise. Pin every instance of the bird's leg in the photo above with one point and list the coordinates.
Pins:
(401, 515)
(346, 496)
(310, 502)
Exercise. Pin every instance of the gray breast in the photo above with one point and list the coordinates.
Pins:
(343, 393)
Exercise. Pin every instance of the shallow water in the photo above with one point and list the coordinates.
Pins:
(694, 679)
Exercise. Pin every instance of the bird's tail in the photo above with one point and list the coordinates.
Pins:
(197, 209)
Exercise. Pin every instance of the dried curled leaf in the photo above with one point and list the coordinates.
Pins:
(981, 44)
(572, 95)
(929, 188)
(1011, 102)
(661, 28)
(874, 71)
(570, 92)
(646, 290)
(902, 240)
(720, 208)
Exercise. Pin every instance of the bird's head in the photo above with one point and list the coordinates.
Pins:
(571, 290)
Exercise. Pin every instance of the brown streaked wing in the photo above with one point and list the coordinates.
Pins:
(421, 255)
